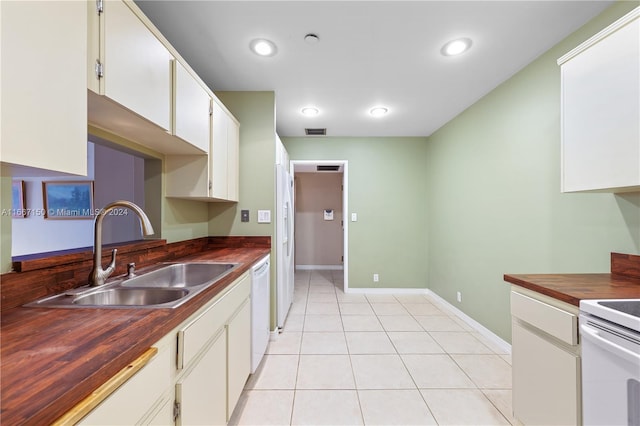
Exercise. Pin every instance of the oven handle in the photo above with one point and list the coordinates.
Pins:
(590, 333)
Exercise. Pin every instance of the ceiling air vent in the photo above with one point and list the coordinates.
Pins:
(315, 132)
(327, 168)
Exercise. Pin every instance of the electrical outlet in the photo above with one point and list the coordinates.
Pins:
(459, 296)
(244, 215)
(376, 278)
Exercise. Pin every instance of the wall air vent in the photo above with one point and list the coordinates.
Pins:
(315, 132)
(327, 168)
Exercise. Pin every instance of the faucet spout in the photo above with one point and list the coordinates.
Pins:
(98, 276)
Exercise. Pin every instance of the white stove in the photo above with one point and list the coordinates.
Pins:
(610, 335)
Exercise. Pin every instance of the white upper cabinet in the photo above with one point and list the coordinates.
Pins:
(191, 108)
(233, 159)
(601, 110)
(219, 152)
(43, 92)
(137, 88)
(224, 154)
(137, 66)
(212, 178)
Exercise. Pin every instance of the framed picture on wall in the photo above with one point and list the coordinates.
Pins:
(68, 199)
(18, 199)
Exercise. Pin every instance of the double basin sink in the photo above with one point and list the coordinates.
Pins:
(166, 287)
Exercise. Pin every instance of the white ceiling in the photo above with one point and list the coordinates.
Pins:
(370, 53)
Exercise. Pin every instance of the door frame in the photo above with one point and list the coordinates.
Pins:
(345, 207)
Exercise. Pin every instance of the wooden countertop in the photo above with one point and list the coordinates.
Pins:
(572, 288)
(622, 283)
(53, 358)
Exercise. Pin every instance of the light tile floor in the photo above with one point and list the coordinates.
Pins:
(352, 359)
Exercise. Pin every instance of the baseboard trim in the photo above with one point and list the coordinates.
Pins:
(274, 334)
(318, 267)
(386, 290)
(484, 331)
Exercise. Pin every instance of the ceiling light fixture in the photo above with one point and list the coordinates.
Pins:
(378, 111)
(311, 38)
(310, 111)
(456, 47)
(263, 47)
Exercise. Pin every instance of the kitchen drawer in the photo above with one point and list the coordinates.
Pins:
(558, 323)
(193, 337)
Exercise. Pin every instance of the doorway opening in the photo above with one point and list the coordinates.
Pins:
(321, 226)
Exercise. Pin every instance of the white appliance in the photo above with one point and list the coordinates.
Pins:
(284, 243)
(610, 332)
(260, 304)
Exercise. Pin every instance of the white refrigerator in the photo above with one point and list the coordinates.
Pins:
(284, 243)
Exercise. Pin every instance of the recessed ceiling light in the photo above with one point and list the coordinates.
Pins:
(378, 111)
(310, 111)
(311, 38)
(456, 47)
(263, 47)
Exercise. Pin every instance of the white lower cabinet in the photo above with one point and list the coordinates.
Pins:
(201, 393)
(545, 360)
(239, 344)
(138, 396)
(198, 374)
(163, 416)
(545, 377)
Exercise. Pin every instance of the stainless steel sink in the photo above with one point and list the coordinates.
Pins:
(181, 275)
(168, 286)
(131, 297)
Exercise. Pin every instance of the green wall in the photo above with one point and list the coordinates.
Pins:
(495, 205)
(387, 183)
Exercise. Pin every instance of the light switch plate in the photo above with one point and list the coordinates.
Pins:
(244, 215)
(354, 217)
(264, 216)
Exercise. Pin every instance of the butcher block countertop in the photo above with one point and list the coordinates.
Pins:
(622, 283)
(53, 358)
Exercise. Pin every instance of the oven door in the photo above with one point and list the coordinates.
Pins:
(610, 373)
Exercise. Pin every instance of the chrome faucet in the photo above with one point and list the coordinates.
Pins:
(98, 276)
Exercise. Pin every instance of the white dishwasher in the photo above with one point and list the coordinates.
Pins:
(260, 304)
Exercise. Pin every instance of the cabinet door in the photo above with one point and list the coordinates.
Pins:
(44, 85)
(191, 109)
(600, 110)
(164, 416)
(138, 396)
(202, 392)
(219, 153)
(239, 354)
(233, 160)
(546, 389)
(137, 66)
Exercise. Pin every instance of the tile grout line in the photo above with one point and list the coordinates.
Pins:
(397, 353)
